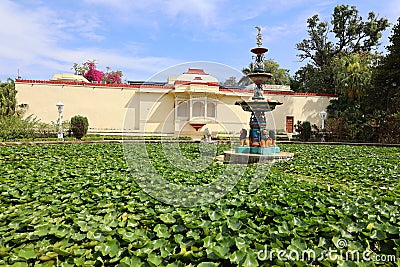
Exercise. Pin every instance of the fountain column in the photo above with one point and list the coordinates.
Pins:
(257, 106)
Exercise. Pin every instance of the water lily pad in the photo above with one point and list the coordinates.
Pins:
(111, 248)
(162, 231)
(154, 260)
(234, 223)
(27, 253)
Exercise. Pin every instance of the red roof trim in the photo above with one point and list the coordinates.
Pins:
(278, 92)
(123, 85)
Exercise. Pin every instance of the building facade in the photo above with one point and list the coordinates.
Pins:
(182, 106)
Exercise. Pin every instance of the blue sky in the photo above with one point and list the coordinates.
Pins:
(143, 37)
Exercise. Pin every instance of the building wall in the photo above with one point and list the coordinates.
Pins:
(156, 112)
(301, 107)
(104, 107)
(152, 110)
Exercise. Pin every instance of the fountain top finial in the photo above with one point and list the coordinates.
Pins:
(259, 37)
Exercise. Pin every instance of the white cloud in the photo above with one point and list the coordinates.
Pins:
(203, 13)
(38, 41)
(35, 40)
(43, 37)
(28, 33)
(115, 59)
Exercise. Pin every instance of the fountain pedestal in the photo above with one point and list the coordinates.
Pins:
(257, 121)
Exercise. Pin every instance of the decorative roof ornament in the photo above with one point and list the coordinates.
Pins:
(259, 36)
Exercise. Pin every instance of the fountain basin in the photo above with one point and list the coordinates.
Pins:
(259, 77)
(259, 50)
(233, 157)
(258, 150)
(253, 106)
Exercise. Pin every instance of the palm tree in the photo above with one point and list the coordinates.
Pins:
(353, 74)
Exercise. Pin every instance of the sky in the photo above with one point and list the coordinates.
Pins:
(143, 37)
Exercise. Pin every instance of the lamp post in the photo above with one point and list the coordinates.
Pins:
(60, 107)
(323, 115)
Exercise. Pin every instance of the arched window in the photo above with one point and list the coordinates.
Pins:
(183, 111)
(198, 109)
(211, 108)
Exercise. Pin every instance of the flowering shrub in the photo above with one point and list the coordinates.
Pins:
(112, 76)
(89, 71)
(93, 75)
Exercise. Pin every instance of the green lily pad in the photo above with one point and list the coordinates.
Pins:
(154, 260)
(27, 253)
(234, 223)
(162, 231)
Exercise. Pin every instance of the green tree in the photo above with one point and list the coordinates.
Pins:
(79, 69)
(311, 79)
(386, 77)
(12, 125)
(8, 101)
(279, 76)
(352, 78)
(231, 81)
(352, 74)
(346, 33)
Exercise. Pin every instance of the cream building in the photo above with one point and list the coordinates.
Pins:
(184, 105)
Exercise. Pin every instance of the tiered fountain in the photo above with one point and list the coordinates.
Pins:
(258, 106)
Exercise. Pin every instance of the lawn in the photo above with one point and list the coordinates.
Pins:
(81, 205)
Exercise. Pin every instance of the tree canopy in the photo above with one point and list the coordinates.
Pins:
(346, 33)
(280, 76)
(352, 74)
(8, 102)
(386, 76)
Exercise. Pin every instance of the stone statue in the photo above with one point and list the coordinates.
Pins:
(207, 135)
(259, 37)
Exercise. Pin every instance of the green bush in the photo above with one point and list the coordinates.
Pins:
(14, 127)
(79, 126)
(304, 130)
(389, 132)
